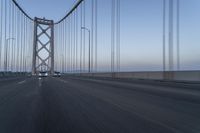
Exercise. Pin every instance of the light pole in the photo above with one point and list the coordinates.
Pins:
(13, 57)
(62, 63)
(26, 63)
(84, 28)
(6, 54)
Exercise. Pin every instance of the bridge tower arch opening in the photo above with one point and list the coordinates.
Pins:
(43, 46)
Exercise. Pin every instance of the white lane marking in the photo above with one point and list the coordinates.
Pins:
(95, 80)
(40, 81)
(22, 82)
(63, 81)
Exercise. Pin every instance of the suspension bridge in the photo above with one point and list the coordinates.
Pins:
(91, 96)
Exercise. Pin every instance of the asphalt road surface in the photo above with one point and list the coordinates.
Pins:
(87, 105)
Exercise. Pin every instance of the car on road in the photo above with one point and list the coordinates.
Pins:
(43, 74)
(57, 74)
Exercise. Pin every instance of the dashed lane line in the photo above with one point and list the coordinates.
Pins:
(64, 81)
(22, 82)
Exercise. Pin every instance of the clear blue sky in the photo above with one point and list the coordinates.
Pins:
(141, 31)
(51, 9)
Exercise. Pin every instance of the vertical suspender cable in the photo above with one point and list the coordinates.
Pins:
(1, 26)
(9, 35)
(171, 61)
(92, 37)
(58, 65)
(63, 56)
(76, 38)
(57, 58)
(31, 40)
(56, 47)
(17, 40)
(178, 35)
(119, 35)
(1, 34)
(66, 37)
(60, 51)
(60, 44)
(71, 44)
(69, 41)
(74, 44)
(22, 34)
(5, 35)
(84, 48)
(113, 37)
(14, 35)
(61, 47)
(55, 44)
(24, 40)
(68, 44)
(96, 35)
(12, 21)
(64, 46)
(164, 36)
(24, 44)
(25, 67)
(65, 53)
(27, 37)
(81, 35)
(18, 37)
(72, 41)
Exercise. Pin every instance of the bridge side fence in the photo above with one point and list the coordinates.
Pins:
(158, 75)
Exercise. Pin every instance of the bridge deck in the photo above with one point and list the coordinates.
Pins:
(84, 105)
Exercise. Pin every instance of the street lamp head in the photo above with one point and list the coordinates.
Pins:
(84, 28)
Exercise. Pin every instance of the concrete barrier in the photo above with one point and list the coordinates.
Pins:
(13, 74)
(174, 75)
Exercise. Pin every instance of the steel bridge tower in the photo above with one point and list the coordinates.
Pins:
(43, 46)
